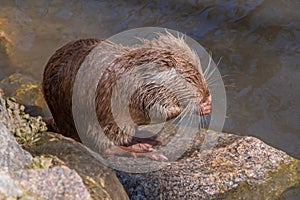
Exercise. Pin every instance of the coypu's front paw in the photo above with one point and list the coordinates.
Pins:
(206, 106)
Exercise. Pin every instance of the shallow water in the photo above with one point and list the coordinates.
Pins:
(256, 42)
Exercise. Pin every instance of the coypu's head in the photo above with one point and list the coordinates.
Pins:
(155, 81)
(166, 77)
(180, 71)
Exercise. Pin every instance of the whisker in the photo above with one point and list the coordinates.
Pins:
(217, 64)
(228, 86)
(208, 66)
(226, 75)
(211, 81)
(210, 74)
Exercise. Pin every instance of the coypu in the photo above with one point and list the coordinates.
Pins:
(149, 99)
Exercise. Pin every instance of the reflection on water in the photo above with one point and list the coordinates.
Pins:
(258, 43)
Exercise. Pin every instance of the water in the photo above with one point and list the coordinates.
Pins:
(257, 43)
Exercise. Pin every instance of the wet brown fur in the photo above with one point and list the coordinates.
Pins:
(61, 70)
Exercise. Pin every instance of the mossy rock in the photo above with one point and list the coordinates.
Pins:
(280, 180)
(26, 91)
(101, 181)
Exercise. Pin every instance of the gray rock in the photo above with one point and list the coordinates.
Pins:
(12, 156)
(101, 181)
(234, 168)
(8, 186)
(18, 182)
(58, 182)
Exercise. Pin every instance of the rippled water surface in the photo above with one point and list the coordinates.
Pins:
(256, 42)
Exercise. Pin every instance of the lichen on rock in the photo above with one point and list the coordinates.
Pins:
(25, 177)
(22, 125)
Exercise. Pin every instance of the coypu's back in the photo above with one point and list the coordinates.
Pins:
(171, 78)
(59, 76)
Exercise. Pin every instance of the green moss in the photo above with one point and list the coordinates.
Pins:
(44, 162)
(278, 181)
(24, 127)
